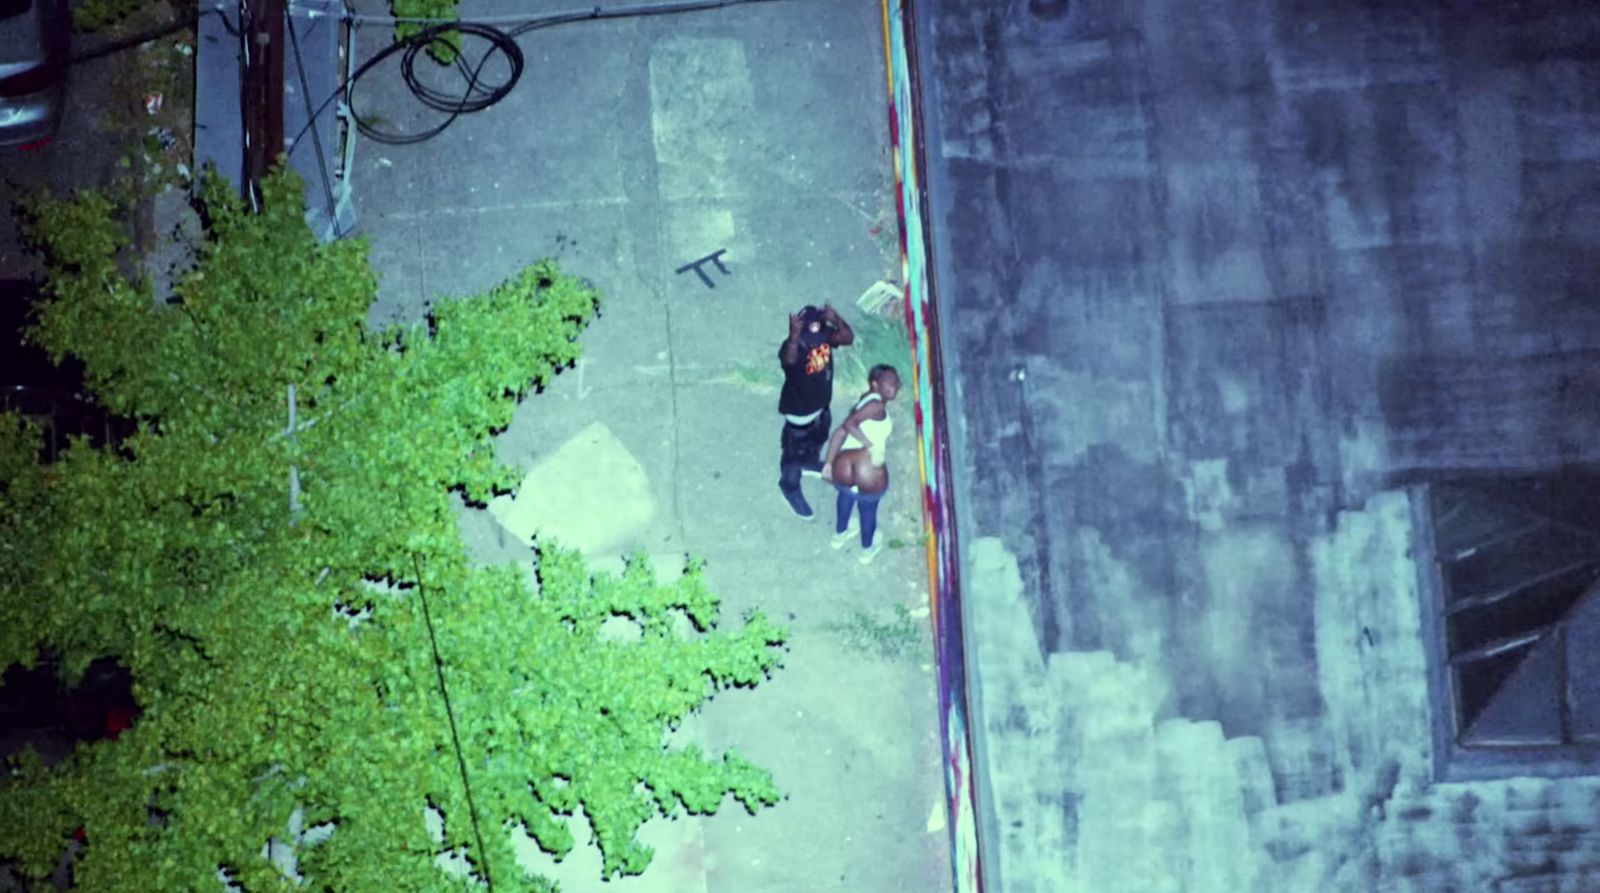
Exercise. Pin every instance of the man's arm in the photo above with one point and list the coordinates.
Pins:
(789, 353)
(843, 335)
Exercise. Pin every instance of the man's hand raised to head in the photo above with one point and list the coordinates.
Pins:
(843, 333)
(789, 354)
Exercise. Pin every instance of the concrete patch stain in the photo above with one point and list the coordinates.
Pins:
(1081, 409)
(1134, 621)
(1209, 493)
(591, 494)
(1235, 394)
(1245, 569)
(1127, 495)
(1145, 806)
(695, 233)
(1364, 453)
(702, 108)
(1365, 578)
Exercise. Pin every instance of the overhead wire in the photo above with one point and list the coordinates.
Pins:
(475, 95)
(472, 98)
(316, 138)
(450, 714)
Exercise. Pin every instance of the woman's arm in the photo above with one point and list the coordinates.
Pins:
(852, 426)
(834, 442)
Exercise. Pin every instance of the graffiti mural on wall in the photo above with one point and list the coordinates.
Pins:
(933, 457)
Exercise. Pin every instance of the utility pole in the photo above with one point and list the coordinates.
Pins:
(263, 88)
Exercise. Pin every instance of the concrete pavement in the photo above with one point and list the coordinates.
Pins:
(631, 148)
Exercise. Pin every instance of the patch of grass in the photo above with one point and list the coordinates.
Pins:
(749, 376)
(880, 338)
(377, 122)
(894, 638)
(886, 232)
(447, 46)
(110, 15)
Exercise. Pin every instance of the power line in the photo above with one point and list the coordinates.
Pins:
(455, 735)
(474, 96)
(316, 138)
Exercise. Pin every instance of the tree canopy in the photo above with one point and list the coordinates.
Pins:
(274, 556)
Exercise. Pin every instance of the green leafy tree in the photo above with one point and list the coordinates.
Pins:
(443, 48)
(274, 556)
(98, 15)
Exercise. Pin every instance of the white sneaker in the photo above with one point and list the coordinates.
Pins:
(840, 540)
(871, 552)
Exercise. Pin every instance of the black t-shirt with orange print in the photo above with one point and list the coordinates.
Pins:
(808, 383)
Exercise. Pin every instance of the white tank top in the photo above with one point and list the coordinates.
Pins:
(875, 430)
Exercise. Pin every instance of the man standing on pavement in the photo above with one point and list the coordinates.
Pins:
(807, 357)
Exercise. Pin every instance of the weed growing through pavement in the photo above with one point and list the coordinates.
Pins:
(760, 379)
(895, 638)
(880, 339)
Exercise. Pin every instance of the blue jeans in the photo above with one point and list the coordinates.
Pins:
(848, 500)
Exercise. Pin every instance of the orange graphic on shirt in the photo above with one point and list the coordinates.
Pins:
(817, 360)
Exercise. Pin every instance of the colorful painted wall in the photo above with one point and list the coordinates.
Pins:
(933, 457)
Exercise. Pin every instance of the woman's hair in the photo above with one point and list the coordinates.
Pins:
(881, 370)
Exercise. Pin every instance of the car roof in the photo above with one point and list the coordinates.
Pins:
(26, 31)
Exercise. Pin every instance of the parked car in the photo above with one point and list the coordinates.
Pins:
(35, 44)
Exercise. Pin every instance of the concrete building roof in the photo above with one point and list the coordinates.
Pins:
(1233, 295)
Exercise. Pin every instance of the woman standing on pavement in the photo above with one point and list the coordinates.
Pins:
(856, 460)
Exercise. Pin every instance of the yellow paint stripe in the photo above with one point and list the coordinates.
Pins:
(888, 59)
